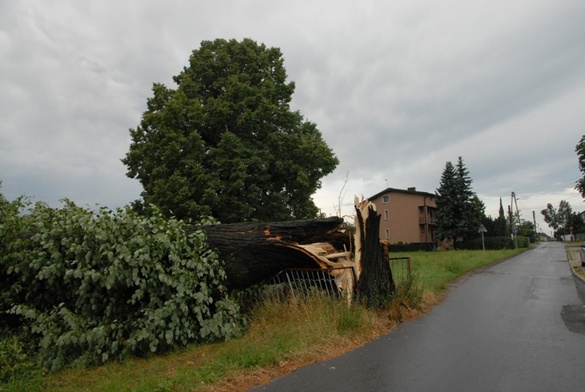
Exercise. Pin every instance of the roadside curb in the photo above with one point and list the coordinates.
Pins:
(574, 259)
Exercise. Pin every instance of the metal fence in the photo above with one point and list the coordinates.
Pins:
(333, 282)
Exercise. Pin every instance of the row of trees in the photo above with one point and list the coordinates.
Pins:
(460, 212)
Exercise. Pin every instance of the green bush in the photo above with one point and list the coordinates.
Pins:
(85, 287)
(14, 361)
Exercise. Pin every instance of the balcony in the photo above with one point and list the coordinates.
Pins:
(426, 220)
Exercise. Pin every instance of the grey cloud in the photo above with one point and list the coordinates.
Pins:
(397, 88)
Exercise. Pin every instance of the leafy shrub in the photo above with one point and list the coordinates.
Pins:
(87, 287)
(14, 361)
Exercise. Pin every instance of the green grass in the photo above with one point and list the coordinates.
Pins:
(281, 336)
(436, 270)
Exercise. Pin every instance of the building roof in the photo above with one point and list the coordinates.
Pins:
(411, 191)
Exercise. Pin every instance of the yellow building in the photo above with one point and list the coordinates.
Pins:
(407, 216)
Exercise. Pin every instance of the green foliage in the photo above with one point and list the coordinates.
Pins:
(526, 229)
(279, 332)
(434, 270)
(409, 291)
(496, 227)
(228, 127)
(3, 200)
(493, 243)
(557, 218)
(15, 363)
(561, 220)
(459, 210)
(580, 150)
(86, 287)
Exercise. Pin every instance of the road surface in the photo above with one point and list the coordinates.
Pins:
(517, 326)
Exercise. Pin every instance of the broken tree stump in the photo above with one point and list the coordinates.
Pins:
(375, 283)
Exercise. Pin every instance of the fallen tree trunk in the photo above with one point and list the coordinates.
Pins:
(255, 252)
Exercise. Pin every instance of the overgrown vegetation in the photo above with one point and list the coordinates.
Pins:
(282, 335)
(81, 288)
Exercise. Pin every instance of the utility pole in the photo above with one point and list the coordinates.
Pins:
(510, 218)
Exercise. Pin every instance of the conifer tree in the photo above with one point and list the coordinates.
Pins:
(459, 210)
(447, 214)
(501, 223)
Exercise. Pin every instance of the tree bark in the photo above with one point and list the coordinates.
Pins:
(375, 284)
(255, 252)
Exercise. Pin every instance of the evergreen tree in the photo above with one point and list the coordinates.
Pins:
(500, 223)
(459, 210)
(447, 214)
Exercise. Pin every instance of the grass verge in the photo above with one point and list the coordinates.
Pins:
(574, 257)
(282, 337)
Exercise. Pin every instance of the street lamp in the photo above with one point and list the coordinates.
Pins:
(482, 230)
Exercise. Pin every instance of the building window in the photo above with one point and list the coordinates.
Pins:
(385, 199)
(387, 234)
(386, 214)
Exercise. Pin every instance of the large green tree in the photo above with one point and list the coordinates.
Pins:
(580, 149)
(226, 143)
(562, 219)
(459, 210)
(557, 218)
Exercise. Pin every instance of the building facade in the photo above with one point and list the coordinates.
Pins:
(407, 216)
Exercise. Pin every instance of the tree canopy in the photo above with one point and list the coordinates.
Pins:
(557, 218)
(226, 143)
(580, 149)
(459, 210)
(561, 219)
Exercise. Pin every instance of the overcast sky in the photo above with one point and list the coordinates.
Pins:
(397, 88)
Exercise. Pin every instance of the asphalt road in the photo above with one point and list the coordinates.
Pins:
(517, 326)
